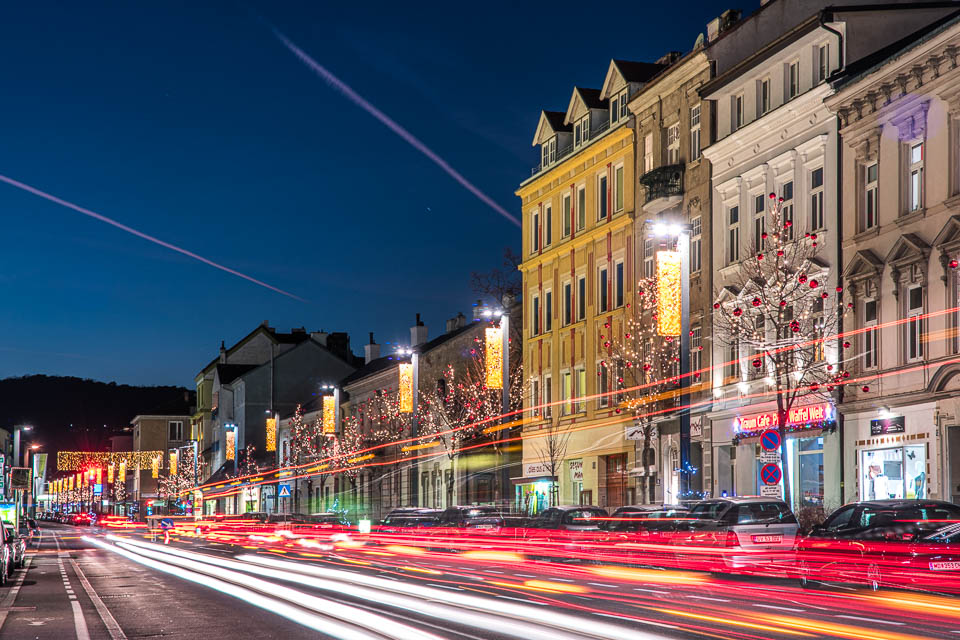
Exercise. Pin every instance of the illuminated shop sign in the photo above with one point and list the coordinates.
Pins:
(807, 416)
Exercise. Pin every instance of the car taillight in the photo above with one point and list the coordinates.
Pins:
(732, 539)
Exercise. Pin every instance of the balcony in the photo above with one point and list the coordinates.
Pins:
(664, 186)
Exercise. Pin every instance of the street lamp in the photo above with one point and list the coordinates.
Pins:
(504, 318)
(682, 233)
(16, 442)
(411, 395)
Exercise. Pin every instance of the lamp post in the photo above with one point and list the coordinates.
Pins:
(504, 391)
(414, 427)
(33, 480)
(16, 442)
(682, 233)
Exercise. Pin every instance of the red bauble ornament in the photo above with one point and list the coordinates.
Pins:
(846, 344)
(849, 305)
(829, 387)
(829, 367)
(764, 235)
(773, 196)
(783, 303)
(953, 264)
(627, 336)
(757, 363)
(759, 256)
(801, 278)
(813, 236)
(756, 302)
(716, 305)
(738, 312)
(839, 289)
(814, 244)
(780, 252)
(814, 284)
(824, 295)
(865, 388)
(788, 224)
(646, 367)
(846, 374)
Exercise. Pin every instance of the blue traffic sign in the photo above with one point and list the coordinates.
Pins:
(284, 491)
(770, 474)
(770, 440)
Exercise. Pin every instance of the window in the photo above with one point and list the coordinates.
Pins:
(870, 343)
(536, 315)
(696, 352)
(915, 177)
(737, 111)
(581, 298)
(614, 109)
(733, 235)
(548, 310)
(870, 201)
(603, 385)
(618, 284)
(618, 188)
(175, 428)
(759, 222)
(567, 303)
(604, 281)
(580, 389)
(535, 231)
(823, 62)
(648, 153)
(757, 352)
(623, 103)
(696, 244)
(602, 198)
(547, 396)
(648, 257)
(566, 389)
(731, 368)
(581, 208)
(914, 323)
(694, 133)
(673, 144)
(793, 80)
(786, 211)
(764, 95)
(816, 199)
(549, 151)
(567, 213)
(581, 131)
(548, 223)
(535, 397)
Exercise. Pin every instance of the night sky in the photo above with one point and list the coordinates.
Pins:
(191, 122)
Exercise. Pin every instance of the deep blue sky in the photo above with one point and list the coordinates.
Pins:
(191, 122)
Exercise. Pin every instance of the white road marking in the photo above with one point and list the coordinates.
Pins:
(11, 596)
(711, 599)
(78, 622)
(899, 624)
(116, 633)
(658, 591)
(773, 606)
(559, 579)
(600, 584)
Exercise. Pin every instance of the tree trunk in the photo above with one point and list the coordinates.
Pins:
(782, 427)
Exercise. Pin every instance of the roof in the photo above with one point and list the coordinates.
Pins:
(638, 71)
(552, 120)
(294, 337)
(864, 66)
(591, 98)
(372, 367)
(230, 372)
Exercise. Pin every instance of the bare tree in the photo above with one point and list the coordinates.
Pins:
(774, 314)
(551, 451)
(495, 284)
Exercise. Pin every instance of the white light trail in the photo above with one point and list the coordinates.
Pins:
(412, 140)
(140, 234)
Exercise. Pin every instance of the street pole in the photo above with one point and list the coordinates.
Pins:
(505, 392)
(683, 245)
(415, 429)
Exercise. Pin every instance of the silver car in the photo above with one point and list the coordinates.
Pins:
(18, 548)
(748, 532)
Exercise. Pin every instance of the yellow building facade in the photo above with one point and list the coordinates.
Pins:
(579, 270)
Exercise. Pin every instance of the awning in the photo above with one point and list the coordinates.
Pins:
(533, 479)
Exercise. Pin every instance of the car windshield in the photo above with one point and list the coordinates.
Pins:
(762, 513)
(710, 510)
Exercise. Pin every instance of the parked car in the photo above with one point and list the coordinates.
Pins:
(18, 547)
(569, 518)
(6, 555)
(646, 518)
(407, 518)
(908, 543)
(739, 533)
(471, 517)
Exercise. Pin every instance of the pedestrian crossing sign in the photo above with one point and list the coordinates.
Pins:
(284, 491)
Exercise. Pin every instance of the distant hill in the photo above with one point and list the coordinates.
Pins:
(76, 414)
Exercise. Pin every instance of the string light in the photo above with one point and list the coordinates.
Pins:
(231, 449)
(155, 466)
(78, 460)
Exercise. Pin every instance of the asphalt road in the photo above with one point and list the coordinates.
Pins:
(81, 583)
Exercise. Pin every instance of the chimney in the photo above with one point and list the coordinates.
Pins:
(370, 351)
(418, 333)
(223, 353)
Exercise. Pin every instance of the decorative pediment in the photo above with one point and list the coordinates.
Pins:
(911, 120)
(621, 73)
(581, 102)
(948, 243)
(550, 124)
(908, 249)
(864, 264)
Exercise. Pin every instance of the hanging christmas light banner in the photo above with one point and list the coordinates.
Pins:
(494, 357)
(99, 474)
(173, 463)
(70, 483)
(668, 293)
(329, 415)
(406, 387)
(271, 434)
(231, 444)
(155, 467)
(122, 471)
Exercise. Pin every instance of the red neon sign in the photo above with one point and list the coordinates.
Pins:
(806, 414)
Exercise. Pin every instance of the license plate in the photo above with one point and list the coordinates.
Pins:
(945, 566)
(484, 526)
(765, 539)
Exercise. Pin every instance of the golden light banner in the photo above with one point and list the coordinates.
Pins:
(271, 434)
(81, 479)
(99, 473)
(231, 444)
(110, 473)
(79, 460)
(329, 415)
(173, 463)
(70, 483)
(668, 293)
(155, 467)
(122, 471)
(493, 355)
(406, 387)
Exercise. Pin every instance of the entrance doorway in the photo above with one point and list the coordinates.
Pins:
(953, 460)
(616, 480)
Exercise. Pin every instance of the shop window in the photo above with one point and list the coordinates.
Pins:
(893, 474)
(810, 472)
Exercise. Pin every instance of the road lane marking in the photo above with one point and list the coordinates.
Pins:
(116, 633)
(600, 584)
(900, 624)
(711, 599)
(542, 604)
(78, 622)
(7, 604)
(773, 606)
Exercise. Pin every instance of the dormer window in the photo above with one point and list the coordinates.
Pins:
(581, 131)
(549, 150)
(618, 107)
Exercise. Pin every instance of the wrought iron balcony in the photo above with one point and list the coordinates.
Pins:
(664, 187)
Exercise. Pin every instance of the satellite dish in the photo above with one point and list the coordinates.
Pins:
(699, 41)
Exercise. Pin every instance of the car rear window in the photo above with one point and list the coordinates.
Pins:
(708, 510)
(761, 513)
(481, 512)
(583, 516)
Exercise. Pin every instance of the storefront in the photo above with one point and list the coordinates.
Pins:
(893, 454)
(532, 492)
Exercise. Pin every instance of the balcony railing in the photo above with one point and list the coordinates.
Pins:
(567, 150)
(663, 182)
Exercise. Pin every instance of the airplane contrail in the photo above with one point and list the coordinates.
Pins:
(357, 99)
(140, 234)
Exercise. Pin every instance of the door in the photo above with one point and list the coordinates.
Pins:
(953, 462)
(616, 480)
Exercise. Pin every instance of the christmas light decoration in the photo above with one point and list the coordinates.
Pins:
(78, 460)
(668, 293)
(122, 471)
(70, 483)
(231, 438)
(99, 475)
(110, 473)
(271, 434)
(329, 415)
(173, 463)
(493, 354)
(155, 467)
(406, 387)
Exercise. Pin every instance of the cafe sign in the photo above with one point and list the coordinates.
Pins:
(797, 417)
